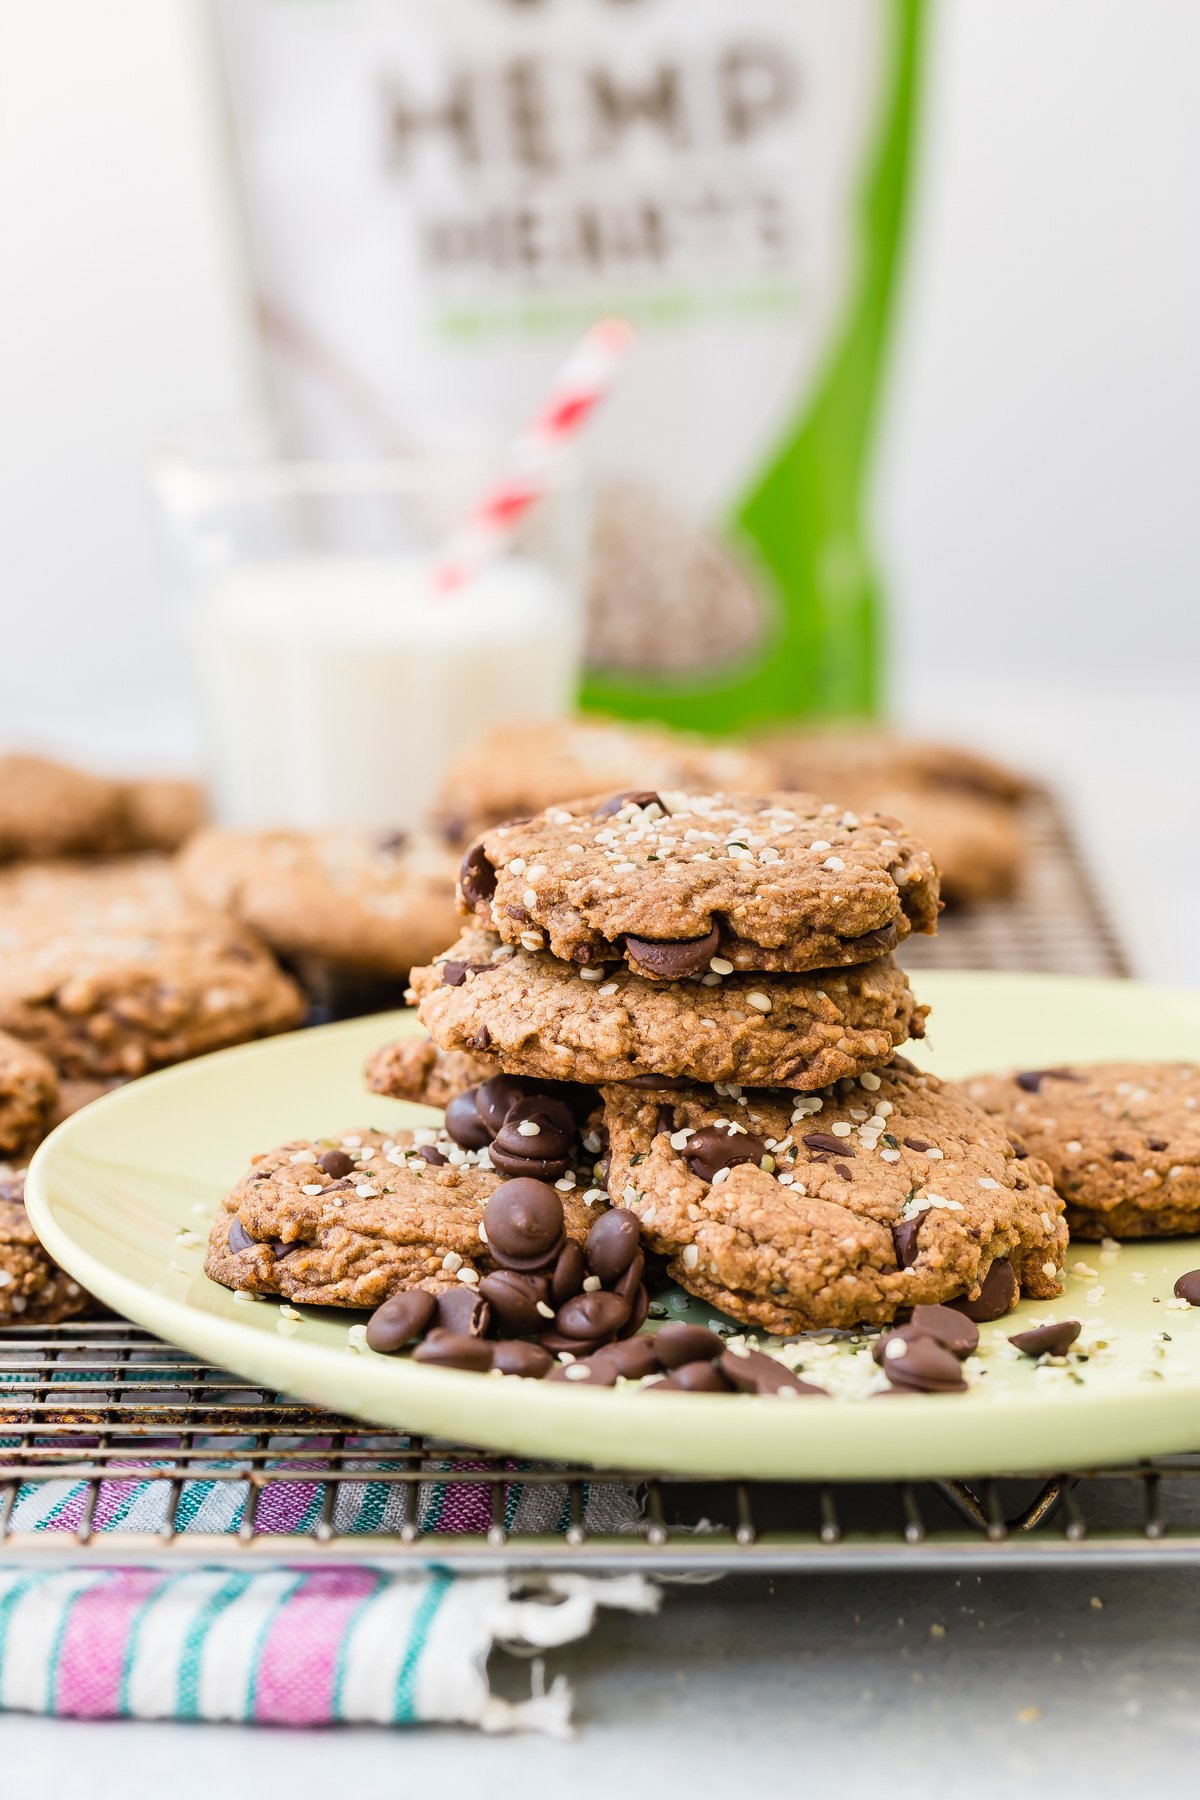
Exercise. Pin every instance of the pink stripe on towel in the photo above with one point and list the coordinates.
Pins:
(95, 1643)
(298, 1663)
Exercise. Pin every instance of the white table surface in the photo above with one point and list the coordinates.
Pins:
(828, 1679)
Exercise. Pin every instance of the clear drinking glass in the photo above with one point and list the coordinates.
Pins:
(333, 683)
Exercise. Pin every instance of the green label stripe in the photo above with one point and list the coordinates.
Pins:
(404, 1707)
(799, 523)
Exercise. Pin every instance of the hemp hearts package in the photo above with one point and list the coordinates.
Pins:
(442, 194)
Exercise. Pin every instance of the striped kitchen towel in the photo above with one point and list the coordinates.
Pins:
(288, 1647)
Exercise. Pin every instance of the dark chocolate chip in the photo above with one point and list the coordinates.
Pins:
(1031, 1079)
(585, 1371)
(631, 1279)
(904, 1242)
(995, 1297)
(1156, 1143)
(677, 1343)
(464, 1123)
(612, 1244)
(431, 1154)
(1049, 1340)
(673, 959)
(1188, 1287)
(477, 877)
(845, 1173)
(336, 1163)
(451, 1350)
(757, 1373)
(462, 1311)
(639, 1308)
(907, 1332)
(480, 1039)
(537, 1138)
(634, 797)
(920, 1364)
(569, 1271)
(527, 1360)
(917, 1144)
(696, 1378)
(495, 1098)
(952, 1329)
(632, 1357)
(591, 1317)
(523, 1219)
(454, 973)
(513, 1298)
(238, 1237)
(1120, 1156)
(664, 1119)
(825, 1140)
(400, 1319)
(669, 1083)
(716, 1147)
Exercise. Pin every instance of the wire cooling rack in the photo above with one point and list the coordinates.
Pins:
(119, 1448)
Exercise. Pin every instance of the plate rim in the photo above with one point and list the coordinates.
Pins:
(560, 1418)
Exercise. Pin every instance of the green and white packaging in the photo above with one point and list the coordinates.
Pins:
(443, 195)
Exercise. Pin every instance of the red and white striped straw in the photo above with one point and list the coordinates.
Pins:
(583, 381)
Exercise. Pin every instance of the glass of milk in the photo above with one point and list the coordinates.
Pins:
(333, 682)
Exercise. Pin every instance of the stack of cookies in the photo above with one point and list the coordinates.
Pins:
(689, 1004)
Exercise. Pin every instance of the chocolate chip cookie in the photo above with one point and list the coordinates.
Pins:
(667, 882)
(33, 1289)
(960, 805)
(29, 1095)
(514, 771)
(1122, 1140)
(415, 1069)
(50, 808)
(539, 1016)
(109, 970)
(352, 1220)
(842, 1208)
(372, 902)
(818, 759)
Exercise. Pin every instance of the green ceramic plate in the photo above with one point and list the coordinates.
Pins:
(122, 1194)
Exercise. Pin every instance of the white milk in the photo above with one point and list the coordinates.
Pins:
(335, 688)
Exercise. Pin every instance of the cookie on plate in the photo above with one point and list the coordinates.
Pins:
(667, 882)
(33, 1289)
(109, 970)
(1122, 1141)
(799, 1211)
(348, 1221)
(539, 1016)
(514, 771)
(29, 1096)
(414, 1068)
(373, 903)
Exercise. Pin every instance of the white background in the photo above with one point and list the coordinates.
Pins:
(1039, 471)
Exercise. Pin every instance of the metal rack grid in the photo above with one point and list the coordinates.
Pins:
(94, 1412)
